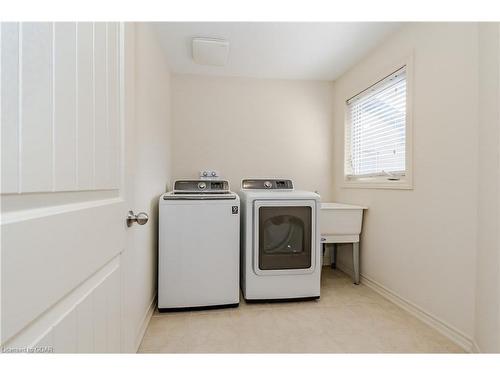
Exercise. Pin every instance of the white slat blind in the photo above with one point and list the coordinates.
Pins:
(376, 129)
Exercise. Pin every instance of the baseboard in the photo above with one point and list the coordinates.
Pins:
(447, 330)
(145, 322)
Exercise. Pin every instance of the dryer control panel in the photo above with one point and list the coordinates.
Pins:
(267, 184)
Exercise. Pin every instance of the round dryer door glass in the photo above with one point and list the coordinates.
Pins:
(284, 237)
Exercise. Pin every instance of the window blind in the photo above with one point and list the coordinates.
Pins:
(376, 129)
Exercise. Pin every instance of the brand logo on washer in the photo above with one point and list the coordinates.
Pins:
(235, 210)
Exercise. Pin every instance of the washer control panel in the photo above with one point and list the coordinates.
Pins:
(201, 186)
(267, 184)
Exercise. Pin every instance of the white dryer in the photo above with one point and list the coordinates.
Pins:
(280, 241)
(199, 238)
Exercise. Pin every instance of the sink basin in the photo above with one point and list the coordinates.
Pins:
(341, 222)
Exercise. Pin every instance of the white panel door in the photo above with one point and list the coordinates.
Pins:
(35, 107)
(9, 95)
(85, 108)
(65, 103)
(63, 200)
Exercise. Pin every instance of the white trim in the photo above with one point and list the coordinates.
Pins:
(379, 182)
(144, 323)
(452, 333)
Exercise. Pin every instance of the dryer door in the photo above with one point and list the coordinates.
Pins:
(284, 237)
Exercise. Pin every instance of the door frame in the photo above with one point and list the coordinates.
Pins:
(127, 121)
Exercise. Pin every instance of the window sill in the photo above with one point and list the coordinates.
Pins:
(377, 183)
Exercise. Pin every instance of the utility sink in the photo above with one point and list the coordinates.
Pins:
(341, 222)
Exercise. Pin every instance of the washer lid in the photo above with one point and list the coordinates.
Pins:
(267, 184)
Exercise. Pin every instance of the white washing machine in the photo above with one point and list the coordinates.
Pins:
(199, 246)
(280, 241)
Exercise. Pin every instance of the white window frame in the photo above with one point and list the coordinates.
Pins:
(382, 182)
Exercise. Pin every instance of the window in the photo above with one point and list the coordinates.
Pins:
(376, 147)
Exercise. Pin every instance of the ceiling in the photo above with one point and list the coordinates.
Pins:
(306, 50)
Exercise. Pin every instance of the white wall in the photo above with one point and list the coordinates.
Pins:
(421, 243)
(253, 128)
(488, 242)
(153, 118)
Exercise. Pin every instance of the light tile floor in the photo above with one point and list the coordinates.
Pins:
(347, 319)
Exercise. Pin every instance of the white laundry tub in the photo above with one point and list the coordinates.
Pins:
(341, 222)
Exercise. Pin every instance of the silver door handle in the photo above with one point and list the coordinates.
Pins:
(141, 218)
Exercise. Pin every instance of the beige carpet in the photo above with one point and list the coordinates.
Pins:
(347, 319)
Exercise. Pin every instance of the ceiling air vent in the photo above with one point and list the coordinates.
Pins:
(209, 51)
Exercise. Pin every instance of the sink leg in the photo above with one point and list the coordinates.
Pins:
(355, 261)
(334, 256)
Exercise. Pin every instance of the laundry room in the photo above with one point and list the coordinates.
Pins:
(250, 186)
